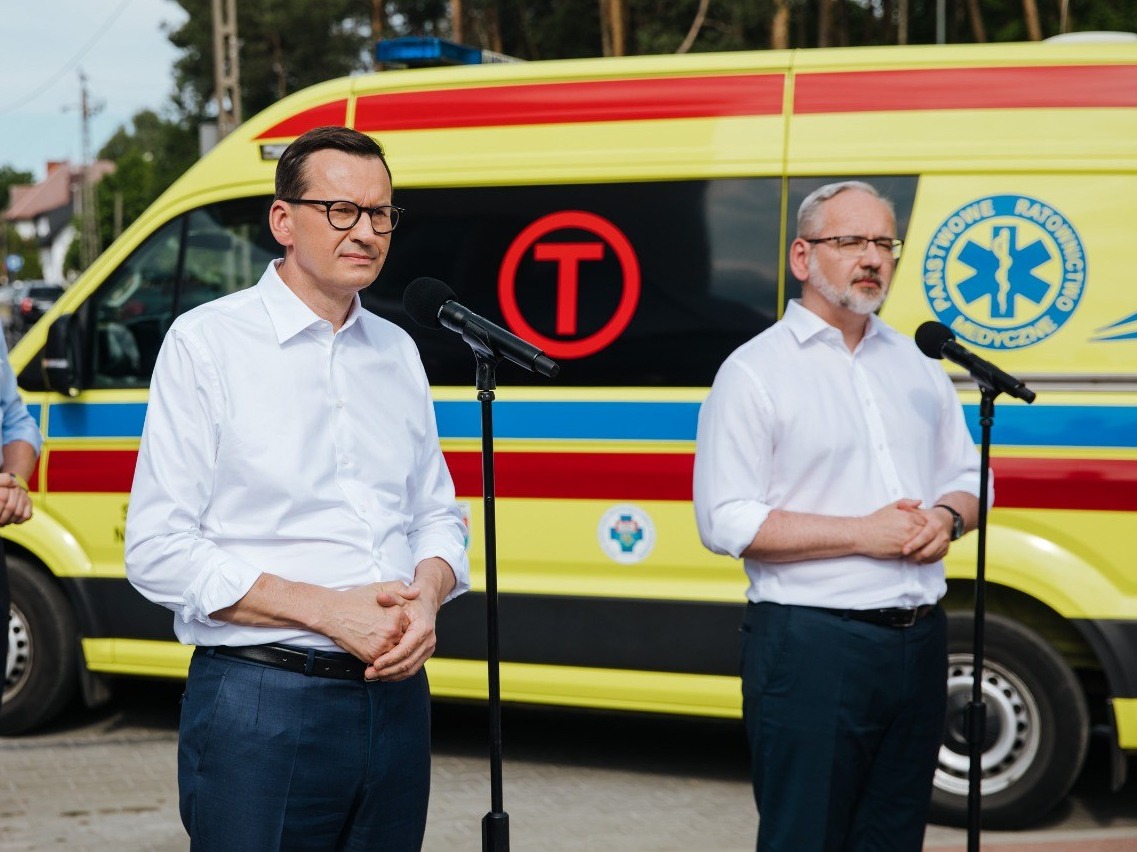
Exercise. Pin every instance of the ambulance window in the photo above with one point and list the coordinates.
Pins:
(207, 253)
(651, 283)
(228, 247)
(133, 309)
(901, 189)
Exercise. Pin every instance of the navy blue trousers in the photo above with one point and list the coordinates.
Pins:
(5, 606)
(275, 760)
(844, 721)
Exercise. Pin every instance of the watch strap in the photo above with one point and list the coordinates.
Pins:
(956, 520)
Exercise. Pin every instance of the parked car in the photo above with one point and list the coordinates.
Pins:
(31, 301)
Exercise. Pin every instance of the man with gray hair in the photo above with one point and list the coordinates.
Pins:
(833, 458)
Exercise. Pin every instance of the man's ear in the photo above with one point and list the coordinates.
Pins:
(280, 222)
(799, 259)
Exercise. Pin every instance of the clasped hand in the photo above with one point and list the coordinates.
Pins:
(390, 626)
(904, 529)
(15, 504)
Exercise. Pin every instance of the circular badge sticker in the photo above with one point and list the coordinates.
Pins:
(1004, 271)
(626, 533)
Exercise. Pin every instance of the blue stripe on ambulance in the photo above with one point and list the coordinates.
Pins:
(1015, 425)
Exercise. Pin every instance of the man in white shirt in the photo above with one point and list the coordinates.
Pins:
(291, 505)
(833, 458)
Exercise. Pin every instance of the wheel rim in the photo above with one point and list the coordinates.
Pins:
(1012, 728)
(18, 664)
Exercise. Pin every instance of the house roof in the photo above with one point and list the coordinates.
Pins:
(29, 201)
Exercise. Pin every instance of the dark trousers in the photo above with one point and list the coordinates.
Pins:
(5, 606)
(845, 721)
(275, 760)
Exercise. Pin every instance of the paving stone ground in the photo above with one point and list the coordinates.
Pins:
(571, 782)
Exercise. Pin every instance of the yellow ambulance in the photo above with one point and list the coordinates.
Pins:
(631, 218)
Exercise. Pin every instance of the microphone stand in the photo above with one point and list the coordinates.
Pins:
(976, 719)
(495, 824)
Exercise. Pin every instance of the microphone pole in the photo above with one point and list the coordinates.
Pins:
(936, 340)
(431, 303)
(495, 824)
(976, 719)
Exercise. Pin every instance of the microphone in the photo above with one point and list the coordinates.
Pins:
(431, 303)
(936, 340)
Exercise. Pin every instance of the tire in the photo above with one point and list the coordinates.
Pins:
(1037, 726)
(41, 670)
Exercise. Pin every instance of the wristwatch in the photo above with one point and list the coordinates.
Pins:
(956, 520)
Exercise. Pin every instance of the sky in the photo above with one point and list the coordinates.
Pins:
(120, 45)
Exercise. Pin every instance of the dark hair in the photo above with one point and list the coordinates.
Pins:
(291, 176)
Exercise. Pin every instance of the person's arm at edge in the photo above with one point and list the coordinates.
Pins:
(21, 441)
(15, 502)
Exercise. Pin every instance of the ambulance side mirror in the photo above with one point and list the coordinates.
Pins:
(61, 357)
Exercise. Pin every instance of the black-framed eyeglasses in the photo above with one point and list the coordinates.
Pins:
(853, 246)
(342, 215)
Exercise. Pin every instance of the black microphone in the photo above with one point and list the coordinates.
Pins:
(937, 341)
(431, 303)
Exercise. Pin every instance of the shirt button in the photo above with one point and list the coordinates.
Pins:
(345, 461)
(339, 403)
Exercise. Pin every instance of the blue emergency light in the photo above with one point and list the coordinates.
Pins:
(423, 51)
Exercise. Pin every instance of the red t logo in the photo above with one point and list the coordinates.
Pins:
(569, 256)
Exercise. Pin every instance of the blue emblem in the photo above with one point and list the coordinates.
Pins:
(1005, 271)
(626, 533)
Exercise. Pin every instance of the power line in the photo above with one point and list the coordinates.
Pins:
(71, 63)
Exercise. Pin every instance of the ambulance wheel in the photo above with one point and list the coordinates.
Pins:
(1037, 726)
(40, 672)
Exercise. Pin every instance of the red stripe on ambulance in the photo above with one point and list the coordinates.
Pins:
(966, 88)
(334, 113)
(1020, 483)
(567, 103)
(90, 471)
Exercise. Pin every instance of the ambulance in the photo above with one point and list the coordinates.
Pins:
(631, 218)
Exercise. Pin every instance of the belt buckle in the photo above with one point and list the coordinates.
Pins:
(906, 617)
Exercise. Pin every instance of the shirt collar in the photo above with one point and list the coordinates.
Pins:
(804, 324)
(287, 312)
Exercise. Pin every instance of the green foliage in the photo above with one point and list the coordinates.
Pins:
(148, 156)
(10, 241)
(285, 45)
(28, 250)
(10, 177)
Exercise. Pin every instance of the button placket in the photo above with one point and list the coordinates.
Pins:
(877, 432)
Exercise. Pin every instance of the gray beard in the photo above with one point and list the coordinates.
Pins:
(849, 299)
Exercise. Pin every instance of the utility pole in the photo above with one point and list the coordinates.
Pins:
(89, 245)
(226, 67)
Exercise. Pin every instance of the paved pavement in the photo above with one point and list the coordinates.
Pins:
(571, 782)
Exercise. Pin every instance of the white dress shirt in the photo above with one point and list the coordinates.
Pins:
(274, 445)
(795, 421)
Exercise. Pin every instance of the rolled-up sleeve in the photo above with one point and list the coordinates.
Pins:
(733, 455)
(18, 424)
(167, 558)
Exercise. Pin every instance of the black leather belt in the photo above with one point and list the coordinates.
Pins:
(896, 616)
(341, 666)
